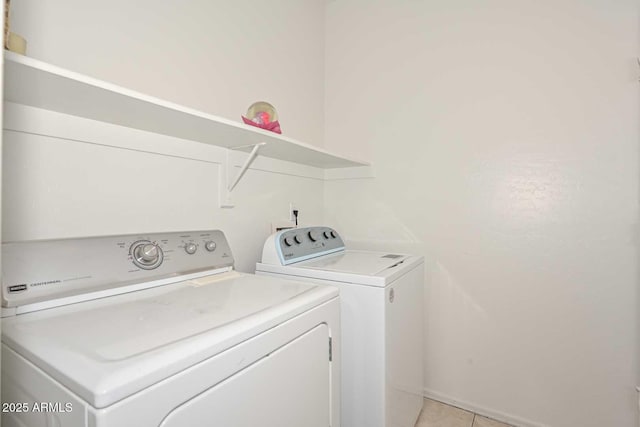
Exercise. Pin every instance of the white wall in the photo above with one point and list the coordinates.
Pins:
(216, 56)
(504, 136)
(86, 178)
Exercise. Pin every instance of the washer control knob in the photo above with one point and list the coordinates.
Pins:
(190, 248)
(210, 246)
(146, 255)
(288, 241)
(298, 238)
(314, 235)
(333, 234)
(327, 234)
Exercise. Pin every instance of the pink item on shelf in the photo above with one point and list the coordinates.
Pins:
(271, 126)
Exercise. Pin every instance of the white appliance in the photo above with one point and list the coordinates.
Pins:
(159, 330)
(381, 297)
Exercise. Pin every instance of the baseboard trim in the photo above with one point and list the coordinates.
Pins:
(481, 410)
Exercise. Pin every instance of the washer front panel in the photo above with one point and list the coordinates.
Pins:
(291, 387)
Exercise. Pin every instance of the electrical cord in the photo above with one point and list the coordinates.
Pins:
(295, 215)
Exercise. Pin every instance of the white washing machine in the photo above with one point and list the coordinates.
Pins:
(381, 297)
(159, 330)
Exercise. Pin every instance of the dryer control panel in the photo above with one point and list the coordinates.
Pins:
(36, 271)
(300, 244)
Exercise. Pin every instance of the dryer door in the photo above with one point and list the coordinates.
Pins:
(287, 388)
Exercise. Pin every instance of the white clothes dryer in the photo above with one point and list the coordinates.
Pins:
(381, 296)
(159, 330)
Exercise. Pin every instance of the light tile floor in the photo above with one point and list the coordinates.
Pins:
(436, 414)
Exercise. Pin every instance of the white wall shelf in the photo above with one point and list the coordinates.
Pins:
(38, 84)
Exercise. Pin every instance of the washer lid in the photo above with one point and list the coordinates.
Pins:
(354, 262)
(107, 349)
(357, 267)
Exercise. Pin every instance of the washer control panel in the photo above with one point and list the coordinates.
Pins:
(300, 244)
(35, 271)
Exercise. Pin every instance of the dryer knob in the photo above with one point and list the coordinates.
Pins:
(333, 234)
(148, 253)
(298, 238)
(288, 241)
(327, 234)
(190, 248)
(210, 246)
(314, 235)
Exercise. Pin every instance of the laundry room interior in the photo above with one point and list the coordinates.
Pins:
(497, 139)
